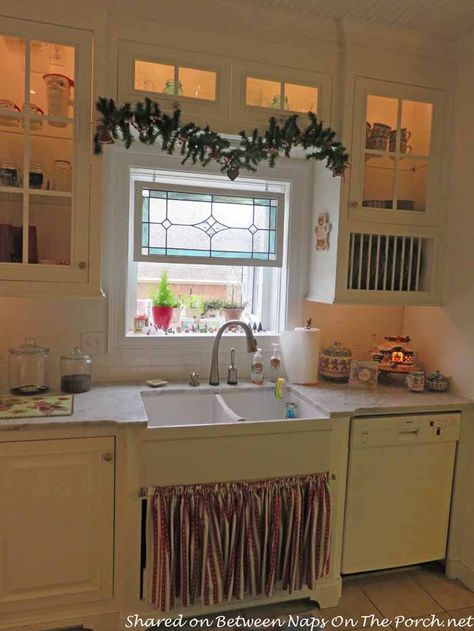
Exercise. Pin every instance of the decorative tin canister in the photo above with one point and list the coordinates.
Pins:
(335, 363)
(437, 382)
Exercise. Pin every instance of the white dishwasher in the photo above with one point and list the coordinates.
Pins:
(399, 484)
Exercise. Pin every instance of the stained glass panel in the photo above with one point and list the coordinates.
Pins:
(193, 224)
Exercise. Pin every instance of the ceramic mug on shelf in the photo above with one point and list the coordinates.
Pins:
(405, 136)
(378, 137)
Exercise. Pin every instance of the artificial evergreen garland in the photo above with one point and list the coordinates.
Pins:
(202, 145)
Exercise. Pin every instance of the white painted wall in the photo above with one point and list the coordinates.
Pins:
(445, 335)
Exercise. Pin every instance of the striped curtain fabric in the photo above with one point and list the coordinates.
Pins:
(212, 543)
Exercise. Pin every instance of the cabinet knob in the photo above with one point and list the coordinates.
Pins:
(353, 204)
(82, 265)
(108, 456)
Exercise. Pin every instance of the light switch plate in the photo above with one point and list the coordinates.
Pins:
(94, 342)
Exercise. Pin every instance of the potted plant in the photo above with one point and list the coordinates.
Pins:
(163, 301)
(233, 310)
(212, 308)
(194, 305)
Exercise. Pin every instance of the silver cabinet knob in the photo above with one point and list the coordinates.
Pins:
(82, 265)
(108, 456)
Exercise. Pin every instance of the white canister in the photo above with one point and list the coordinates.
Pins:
(300, 352)
(62, 175)
(58, 92)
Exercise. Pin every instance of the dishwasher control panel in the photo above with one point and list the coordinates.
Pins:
(396, 429)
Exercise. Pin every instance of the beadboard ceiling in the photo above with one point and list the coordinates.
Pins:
(446, 18)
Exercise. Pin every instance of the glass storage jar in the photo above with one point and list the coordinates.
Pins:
(27, 365)
(76, 371)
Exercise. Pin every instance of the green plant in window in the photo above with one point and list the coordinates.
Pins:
(213, 305)
(194, 301)
(163, 296)
(234, 304)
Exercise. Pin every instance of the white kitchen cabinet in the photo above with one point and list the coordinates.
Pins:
(56, 522)
(45, 152)
(387, 216)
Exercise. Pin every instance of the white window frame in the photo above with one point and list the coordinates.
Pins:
(118, 241)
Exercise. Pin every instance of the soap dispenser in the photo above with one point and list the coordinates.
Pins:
(256, 373)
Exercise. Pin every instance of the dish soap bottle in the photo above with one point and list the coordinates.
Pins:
(256, 371)
(275, 362)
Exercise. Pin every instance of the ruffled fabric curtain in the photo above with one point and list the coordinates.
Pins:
(212, 543)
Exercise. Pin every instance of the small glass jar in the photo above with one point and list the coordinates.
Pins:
(275, 363)
(36, 179)
(8, 173)
(76, 369)
(28, 368)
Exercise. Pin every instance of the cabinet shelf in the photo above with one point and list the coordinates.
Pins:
(34, 191)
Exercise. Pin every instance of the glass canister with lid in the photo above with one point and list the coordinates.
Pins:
(27, 365)
(76, 371)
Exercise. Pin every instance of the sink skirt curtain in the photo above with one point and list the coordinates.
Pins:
(211, 543)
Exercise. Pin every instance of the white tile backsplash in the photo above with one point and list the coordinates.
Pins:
(58, 323)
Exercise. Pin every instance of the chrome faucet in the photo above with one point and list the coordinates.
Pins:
(251, 347)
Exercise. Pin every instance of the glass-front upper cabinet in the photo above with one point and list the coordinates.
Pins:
(44, 152)
(395, 157)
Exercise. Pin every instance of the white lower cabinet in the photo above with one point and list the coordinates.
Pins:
(56, 523)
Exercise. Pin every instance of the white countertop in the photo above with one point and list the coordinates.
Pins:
(121, 405)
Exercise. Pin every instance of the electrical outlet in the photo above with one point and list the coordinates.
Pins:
(93, 342)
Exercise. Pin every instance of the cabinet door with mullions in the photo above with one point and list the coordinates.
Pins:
(395, 153)
(44, 110)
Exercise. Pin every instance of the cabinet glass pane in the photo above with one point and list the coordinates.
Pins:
(154, 77)
(11, 152)
(12, 77)
(11, 222)
(51, 158)
(51, 219)
(412, 184)
(301, 98)
(197, 84)
(382, 115)
(263, 93)
(416, 126)
(52, 81)
(378, 183)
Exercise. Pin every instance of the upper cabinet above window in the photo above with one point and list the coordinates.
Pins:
(178, 81)
(227, 94)
(280, 96)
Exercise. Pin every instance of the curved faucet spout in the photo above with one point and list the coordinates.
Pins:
(251, 347)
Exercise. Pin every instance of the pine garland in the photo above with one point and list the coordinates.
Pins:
(202, 145)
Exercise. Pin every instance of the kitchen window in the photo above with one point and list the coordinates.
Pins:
(267, 275)
(221, 247)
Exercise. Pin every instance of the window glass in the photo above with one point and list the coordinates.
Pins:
(206, 225)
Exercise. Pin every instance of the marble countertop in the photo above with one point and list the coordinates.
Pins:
(121, 405)
(392, 399)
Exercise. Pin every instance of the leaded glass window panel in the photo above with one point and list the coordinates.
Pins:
(207, 225)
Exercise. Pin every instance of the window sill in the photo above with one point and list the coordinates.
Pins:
(185, 342)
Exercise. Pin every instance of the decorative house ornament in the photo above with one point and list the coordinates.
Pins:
(202, 145)
(395, 355)
(322, 230)
(335, 363)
